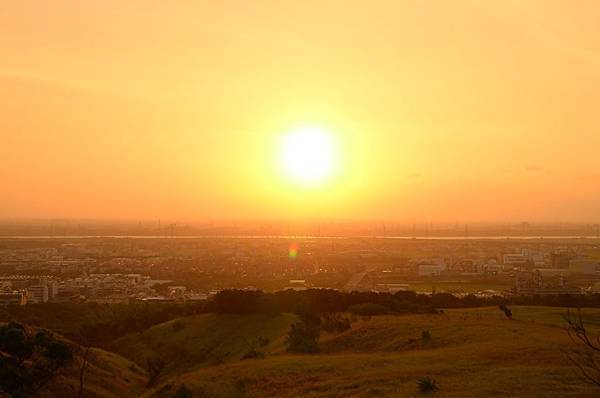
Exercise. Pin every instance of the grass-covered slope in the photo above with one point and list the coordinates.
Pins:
(107, 375)
(471, 353)
(206, 339)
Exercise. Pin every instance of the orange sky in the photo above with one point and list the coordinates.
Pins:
(444, 110)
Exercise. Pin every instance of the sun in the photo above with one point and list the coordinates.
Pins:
(308, 155)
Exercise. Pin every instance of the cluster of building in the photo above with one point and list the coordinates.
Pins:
(547, 273)
(116, 270)
(563, 259)
(537, 268)
(23, 289)
(100, 288)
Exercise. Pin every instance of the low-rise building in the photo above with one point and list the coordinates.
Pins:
(431, 268)
(13, 297)
(392, 287)
(297, 284)
(37, 294)
(514, 259)
(583, 266)
(543, 282)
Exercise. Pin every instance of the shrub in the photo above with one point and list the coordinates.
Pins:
(335, 323)
(506, 310)
(252, 354)
(302, 338)
(29, 361)
(427, 385)
(426, 336)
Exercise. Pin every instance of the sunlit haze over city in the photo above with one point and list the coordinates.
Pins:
(428, 111)
(299, 198)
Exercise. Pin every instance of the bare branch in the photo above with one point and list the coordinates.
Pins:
(584, 353)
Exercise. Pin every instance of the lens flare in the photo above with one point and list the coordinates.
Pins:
(293, 251)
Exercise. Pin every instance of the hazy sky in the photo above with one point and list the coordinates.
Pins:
(442, 110)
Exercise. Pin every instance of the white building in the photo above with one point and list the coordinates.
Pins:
(37, 294)
(431, 268)
(13, 297)
(492, 267)
(392, 287)
(514, 259)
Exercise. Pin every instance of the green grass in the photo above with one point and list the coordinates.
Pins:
(472, 353)
(205, 339)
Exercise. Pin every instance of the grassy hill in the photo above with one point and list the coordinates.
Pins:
(470, 353)
(206, 339)
(107, 375)
(473, 352)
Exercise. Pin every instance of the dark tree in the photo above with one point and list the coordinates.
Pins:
(335, 323)
(303, 338)
(28, 361)
(506, 310)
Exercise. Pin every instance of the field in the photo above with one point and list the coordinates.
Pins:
(107, 376)
(474, 352)
(204, 340)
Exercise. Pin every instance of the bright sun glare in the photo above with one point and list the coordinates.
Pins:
(308, 155)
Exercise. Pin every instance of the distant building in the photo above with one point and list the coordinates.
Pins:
(360, 282)
(392, 287)
(560, 259)
(583, 266)
(492, 267)
(39, 288)
(177, 290)
(37, 294)
(13, 297)
(514, 259)
(296, 284)
(538, 259)
(431, 268)
(543, 282)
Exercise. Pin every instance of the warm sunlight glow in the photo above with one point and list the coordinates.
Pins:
(308, 155)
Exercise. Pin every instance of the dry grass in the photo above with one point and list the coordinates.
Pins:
(107, 376)
(473, 353)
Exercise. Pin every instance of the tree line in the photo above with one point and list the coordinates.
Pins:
(321, 301)
(100, 324)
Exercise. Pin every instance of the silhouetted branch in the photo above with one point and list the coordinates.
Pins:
(584, 354)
